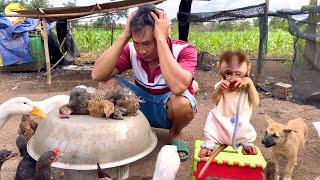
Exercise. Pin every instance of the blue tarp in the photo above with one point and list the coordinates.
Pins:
(14, 41)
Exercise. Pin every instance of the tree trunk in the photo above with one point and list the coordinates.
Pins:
(184, 7)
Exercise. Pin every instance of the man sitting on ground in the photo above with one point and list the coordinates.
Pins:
(163, 71)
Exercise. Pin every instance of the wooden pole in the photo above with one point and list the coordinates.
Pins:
(184, 7)
(79, 14)
(263, 42)
(310, 48)
(46, 50)
(112, 29)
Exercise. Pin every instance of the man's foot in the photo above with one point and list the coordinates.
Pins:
(182, 146)
(183, 149)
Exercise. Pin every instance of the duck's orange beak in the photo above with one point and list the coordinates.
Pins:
(37, 112)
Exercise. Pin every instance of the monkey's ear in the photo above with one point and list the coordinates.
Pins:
(249, 68)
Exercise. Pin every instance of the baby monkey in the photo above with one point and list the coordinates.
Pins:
(234, 68)
(236, 85)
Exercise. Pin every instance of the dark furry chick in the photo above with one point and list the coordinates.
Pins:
(78, 102)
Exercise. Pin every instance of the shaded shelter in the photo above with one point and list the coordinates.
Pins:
(65, 13)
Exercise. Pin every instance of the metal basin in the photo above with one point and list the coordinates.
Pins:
(85, 140)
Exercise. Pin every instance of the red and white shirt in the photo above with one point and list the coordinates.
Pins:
(183, 53)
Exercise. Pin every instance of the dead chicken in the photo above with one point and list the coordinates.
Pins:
(101, 103)
(65, 112)
(129, 101)
(126, 103)
(118, 112)
(78, 102)
(98, 105)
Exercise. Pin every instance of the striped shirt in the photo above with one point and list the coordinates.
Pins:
(154, 83)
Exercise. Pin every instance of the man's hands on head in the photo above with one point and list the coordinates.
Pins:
(127, 29)
(161, 25)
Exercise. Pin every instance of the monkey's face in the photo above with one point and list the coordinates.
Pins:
(232, 71)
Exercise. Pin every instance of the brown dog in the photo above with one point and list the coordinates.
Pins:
(285, 141)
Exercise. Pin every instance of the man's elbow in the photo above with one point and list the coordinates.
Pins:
(94, 76)
(98, 76)
(180, 87)
(179, 90)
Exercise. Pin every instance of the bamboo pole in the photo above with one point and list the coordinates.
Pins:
(76, 15)
(46, 50)
(112, 33)
(211, 158)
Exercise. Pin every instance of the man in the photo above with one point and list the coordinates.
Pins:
(163, 72)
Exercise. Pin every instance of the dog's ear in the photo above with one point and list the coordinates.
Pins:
(288, 130)
(269, 119)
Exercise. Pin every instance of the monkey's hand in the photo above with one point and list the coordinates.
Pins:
(224, 85)
(249, 150)
(252, 91)
(219, 88)
(242, 82)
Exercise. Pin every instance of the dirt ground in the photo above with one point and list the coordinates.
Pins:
(33, 85)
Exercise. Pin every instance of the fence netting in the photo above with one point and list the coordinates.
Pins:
(305, 71)
(303, 26)
(240, 13)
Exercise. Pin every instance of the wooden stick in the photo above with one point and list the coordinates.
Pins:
(46, 50)
(71, 15)
(57, 62)
(212, 156)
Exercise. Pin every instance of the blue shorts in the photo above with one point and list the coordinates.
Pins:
(155, 106)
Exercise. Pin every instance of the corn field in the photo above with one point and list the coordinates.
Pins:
(93, 40)
(280, 43)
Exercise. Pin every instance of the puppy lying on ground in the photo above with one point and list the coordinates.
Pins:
(285, 141)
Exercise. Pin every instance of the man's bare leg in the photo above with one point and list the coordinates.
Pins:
(180, 113)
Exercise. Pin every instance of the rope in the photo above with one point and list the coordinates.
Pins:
(236, 119)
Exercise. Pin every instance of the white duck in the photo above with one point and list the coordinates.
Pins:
(168, 163)
(22, 105)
